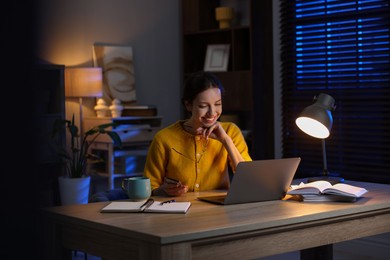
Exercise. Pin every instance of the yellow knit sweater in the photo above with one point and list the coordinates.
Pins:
(180, 155)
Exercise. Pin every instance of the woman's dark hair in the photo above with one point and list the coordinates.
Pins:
(199, 82)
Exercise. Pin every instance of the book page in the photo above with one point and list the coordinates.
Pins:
(315, 187)
(124, 206)
(173, 207)
(151, 206)
(345, 190)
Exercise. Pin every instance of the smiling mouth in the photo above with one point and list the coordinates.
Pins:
(209, 120)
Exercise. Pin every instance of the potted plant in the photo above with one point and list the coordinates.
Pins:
(76, 158)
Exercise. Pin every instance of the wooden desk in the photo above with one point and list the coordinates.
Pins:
(208, 231)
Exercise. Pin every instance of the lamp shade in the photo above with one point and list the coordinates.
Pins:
(316, 120)
(83, 82)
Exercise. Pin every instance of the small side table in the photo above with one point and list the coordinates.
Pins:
(136, 134)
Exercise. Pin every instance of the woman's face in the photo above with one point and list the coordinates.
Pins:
(206, 107)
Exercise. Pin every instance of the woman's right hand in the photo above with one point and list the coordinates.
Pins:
(170, 188)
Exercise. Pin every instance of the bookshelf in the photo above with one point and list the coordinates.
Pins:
(200, 29)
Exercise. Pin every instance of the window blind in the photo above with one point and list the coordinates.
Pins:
(341, 48)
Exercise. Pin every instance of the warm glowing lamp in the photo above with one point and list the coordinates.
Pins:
(316, 120)
(83, 82)
(224, 15)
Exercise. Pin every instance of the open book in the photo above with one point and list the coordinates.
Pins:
(337, 192)
(149, 205)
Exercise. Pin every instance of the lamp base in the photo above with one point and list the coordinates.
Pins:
(333, 180)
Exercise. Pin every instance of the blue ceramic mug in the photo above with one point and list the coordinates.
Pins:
(137, 188)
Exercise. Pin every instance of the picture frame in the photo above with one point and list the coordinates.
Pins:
(117, 64)
(217, 57)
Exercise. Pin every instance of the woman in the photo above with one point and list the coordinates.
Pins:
(193, 154)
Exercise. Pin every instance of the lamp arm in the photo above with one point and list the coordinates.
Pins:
(324, 158)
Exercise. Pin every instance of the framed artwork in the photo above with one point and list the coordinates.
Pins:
(117, 65)
(217, 57)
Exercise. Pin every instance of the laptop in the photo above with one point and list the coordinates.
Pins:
(258, 180)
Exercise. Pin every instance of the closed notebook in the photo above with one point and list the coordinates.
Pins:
(326, 197)
(147, 206)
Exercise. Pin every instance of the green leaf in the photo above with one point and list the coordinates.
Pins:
(77, 156)
(115, 138)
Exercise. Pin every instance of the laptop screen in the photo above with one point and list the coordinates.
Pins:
(260, 180)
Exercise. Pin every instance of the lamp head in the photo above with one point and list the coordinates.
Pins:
(83, 82)
(316, 120)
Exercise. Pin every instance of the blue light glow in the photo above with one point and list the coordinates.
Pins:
(341, 50)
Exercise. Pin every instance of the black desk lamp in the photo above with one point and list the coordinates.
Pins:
(316, 120)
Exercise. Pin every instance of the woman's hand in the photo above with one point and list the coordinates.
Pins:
(215, 131)
(170, 188)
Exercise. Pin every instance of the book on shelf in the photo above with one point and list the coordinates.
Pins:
(149, 205)
(325, 191)
(139, 110)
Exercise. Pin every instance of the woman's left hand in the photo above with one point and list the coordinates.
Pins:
(215, 131)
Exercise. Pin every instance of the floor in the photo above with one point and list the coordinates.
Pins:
(371, 248)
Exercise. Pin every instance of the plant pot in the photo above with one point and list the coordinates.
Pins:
(74, 190)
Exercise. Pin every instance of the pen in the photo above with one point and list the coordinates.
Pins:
(146, 204)
(167, 201)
